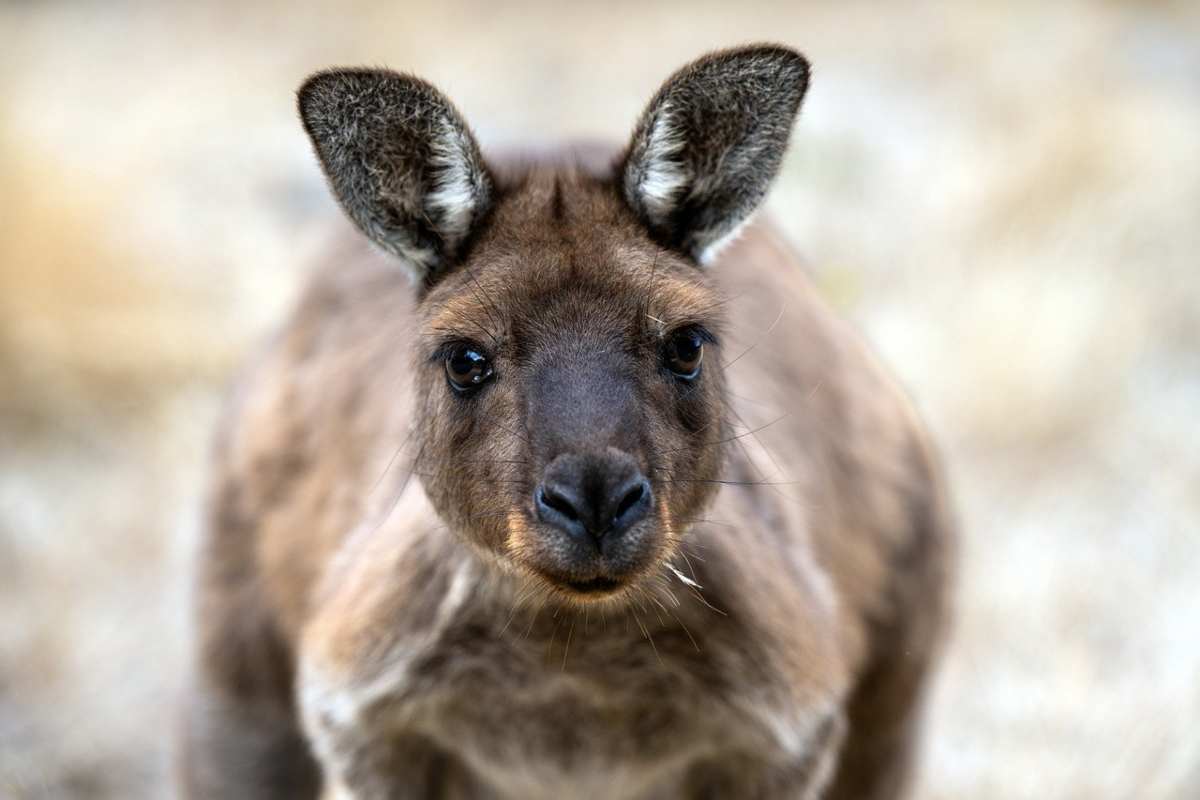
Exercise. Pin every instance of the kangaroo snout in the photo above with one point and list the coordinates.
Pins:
(594, 498)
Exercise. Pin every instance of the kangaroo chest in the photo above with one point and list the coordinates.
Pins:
(621, 706)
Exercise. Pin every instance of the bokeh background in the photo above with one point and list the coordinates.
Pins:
(1004, 196)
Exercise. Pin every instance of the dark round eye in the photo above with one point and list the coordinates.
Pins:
(467, 368)
(684, 352)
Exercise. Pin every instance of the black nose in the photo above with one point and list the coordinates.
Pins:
(594, 496)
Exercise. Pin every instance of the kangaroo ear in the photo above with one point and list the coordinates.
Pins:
(709, 144)
(401, 162)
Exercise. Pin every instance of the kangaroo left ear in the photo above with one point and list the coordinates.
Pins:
(709, 144)
(401, 161)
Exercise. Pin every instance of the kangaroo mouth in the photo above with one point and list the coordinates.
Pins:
(592, 587)
(579, 569)
(595, 585)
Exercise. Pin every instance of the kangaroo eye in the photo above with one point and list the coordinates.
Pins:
(683, 353)
(467, 368)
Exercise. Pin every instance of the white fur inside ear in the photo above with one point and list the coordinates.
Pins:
(455, 196)
(711, 250)
(662, 178)
(416, 261)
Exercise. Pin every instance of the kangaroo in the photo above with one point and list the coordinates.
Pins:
(569, 487)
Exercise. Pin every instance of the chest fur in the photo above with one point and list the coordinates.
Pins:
(566, 704)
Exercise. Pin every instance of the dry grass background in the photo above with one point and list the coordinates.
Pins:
(1006, 197)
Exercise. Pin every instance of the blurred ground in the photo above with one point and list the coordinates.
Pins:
(1006, 197)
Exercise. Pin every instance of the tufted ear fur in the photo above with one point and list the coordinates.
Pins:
(400, 160)
(709, 144)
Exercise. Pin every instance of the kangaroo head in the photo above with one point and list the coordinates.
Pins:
(570, 396)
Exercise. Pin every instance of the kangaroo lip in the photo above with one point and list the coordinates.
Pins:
(595, 585)
(591, 586)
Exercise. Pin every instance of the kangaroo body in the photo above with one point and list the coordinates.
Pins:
(376, 618)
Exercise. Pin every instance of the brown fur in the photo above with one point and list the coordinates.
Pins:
(372, 593)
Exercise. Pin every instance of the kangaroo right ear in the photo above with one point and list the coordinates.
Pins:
(400, 160)
(709, 145)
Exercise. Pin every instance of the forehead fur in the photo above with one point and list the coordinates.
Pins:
(561, 246)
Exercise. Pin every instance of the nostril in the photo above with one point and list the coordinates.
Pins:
(556, 501)
(633, 505)
(629, 500)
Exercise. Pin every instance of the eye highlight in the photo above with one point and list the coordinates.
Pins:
(467, 368)
(683, 352)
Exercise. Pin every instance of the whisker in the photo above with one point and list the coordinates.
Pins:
(399, 492)
(700, 597)
(685, 555)
(691, 638)
(702, 520)
(553, 634)
(763, 447)
(517, 602)
(646, 633)
(684, 579)
(661, 582)
(745, 399)
(537, 612)
(778, 419)
(488, 307)
(656, 602)
(391, 461)
(729, 482)
(466, 320)
(524, 437)
(757, 342)
(567, 648)
(691, 568)
(491, 481)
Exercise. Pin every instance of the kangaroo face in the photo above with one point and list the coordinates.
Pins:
(570, 392)
(570, 385)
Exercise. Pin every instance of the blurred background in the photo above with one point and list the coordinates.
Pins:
(1004, 196)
